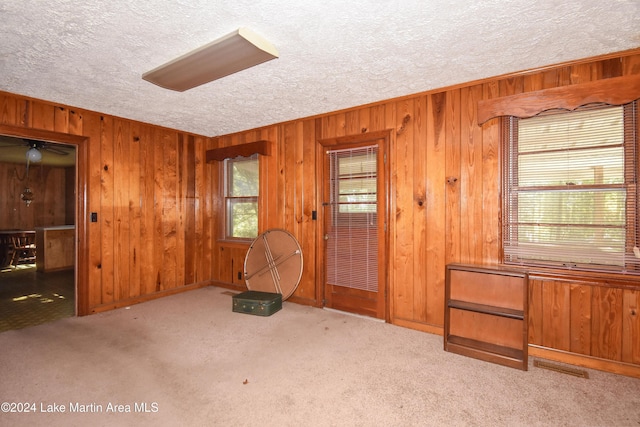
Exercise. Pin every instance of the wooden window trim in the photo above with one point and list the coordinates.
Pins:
(245, 150)
(612, 91)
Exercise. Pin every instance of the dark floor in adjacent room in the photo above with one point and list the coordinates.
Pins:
(29, 297)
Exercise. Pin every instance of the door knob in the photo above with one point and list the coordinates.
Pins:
(326, 237)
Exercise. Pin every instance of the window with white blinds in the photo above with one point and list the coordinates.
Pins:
(570, 196)
(352, 244)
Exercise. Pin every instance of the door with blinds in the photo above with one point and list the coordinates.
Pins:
(354, 228)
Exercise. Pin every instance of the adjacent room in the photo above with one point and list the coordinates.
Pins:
(443, 195)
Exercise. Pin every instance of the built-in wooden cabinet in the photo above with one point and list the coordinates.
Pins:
(486, 314)
(55, 248)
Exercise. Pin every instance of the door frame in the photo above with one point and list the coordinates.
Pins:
(383, 264)
(81, 144)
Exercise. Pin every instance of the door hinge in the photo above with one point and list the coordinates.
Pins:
(384, 158)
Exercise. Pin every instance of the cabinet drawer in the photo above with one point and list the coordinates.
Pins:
(488, 328)
(488, 289)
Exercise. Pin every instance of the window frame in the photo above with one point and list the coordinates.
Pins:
(230, 200)
(631, 173)
(353, 218)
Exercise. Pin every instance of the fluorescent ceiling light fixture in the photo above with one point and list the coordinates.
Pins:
(234, 52)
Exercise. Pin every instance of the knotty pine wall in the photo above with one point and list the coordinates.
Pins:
(159, 207)
(445, 208)
(51, 196)
(149, 187)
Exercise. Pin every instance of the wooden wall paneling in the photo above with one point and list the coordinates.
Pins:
(308, 236)
(580, 315)
(403, 274)
(182, 220)
(61, 119)
(556, 315)
(50, 206)
(377, 118)
(365, 118)
(158, 209)
(136, 245)
(48, 185)
(583, 73)
(75, 128)
(435, 175)
(277, 180)
(224, 272)
(107, 203)
(472, 178)
(271, 180)
(353, 122)
(385, 117)
(146, 189)
(220, 259)
(75, 123)
(169, 210)
(7, 183)
(193, 231)
(92, 128)
(535, 311)
(333, 125)
(289, 177)
(418, 123)
(42, 115)
(121, 220)
(9, 112)
(491, 184)
(453, 185)
(511, 85)
(205, 198)
(214, 209)
(631, 326)
(606, 329)
(611, 68)
(12, 185)
(630, 65)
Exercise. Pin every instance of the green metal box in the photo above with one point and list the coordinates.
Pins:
(257, 302)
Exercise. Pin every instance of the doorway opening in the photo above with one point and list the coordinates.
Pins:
(354, 225)
(38, 183)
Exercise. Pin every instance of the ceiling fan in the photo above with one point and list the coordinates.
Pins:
(35, 148)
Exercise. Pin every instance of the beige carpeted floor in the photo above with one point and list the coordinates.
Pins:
(188, 360)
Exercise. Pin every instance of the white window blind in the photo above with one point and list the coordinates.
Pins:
(352, 246)
(570, 197)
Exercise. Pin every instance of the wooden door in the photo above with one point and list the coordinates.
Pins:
(354, 235)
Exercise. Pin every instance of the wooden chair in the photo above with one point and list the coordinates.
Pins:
(24, 248)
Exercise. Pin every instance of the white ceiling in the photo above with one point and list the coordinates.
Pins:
(334, 54)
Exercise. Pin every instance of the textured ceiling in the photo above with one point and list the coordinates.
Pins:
(334, 54)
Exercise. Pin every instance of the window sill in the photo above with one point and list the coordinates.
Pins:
(235, 243)
(614, 279)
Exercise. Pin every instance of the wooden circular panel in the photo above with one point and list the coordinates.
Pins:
(274, 263)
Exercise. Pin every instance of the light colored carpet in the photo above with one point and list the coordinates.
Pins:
(190, 361)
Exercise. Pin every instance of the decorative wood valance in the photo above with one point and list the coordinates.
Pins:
(245, 150)
(613, 91)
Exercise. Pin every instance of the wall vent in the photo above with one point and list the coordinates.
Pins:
(562, 369)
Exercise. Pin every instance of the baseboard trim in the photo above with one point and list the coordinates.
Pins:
(132, 301)
(596, 363)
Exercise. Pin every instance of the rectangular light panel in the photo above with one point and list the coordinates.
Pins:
(234, 52)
